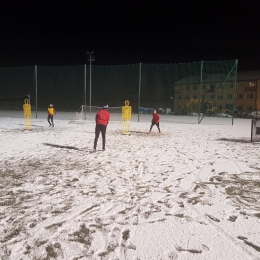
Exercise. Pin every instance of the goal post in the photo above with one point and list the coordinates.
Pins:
(255, 130)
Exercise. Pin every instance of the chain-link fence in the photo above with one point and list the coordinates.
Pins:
(206, 88)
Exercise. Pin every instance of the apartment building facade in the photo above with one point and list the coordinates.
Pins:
(219, 93)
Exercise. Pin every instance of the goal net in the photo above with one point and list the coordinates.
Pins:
(13, 102)
(84, 110)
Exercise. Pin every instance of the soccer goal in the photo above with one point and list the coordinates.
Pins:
(82, 112)
(255, 130)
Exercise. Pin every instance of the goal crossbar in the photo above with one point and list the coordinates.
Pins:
(83, 110)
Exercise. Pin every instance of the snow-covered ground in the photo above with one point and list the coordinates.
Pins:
(192, 192)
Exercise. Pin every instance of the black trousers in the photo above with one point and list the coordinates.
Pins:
(158, 126)
(102, 129)
(50, 119)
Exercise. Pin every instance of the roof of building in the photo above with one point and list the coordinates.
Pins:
(248, 75)
(208, 78)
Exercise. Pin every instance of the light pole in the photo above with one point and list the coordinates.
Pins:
(91, 57)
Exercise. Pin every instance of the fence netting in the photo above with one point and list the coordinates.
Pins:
(15, 86)
(205, 87)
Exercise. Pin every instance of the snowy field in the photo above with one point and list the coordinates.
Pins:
(192, 192)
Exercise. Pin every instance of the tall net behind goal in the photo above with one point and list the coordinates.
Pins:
(204, 89)
(84, 110)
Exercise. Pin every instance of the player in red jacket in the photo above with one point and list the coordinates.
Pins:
(102, 120)
(155, 121)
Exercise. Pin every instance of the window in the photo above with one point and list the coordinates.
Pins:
(230, 85)
(220, 96)
(249, 107)
(239, 108)
(220, 85)
(252, 84)
(249, 95)
(177, 87)
(210, 88)
(194, 86)
(187, 87)
(229, 96)
(211, 96)
(239, 96)
(203, 86)
(178, 97)
(194, 97)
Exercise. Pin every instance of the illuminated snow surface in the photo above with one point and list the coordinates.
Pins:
(192, 192)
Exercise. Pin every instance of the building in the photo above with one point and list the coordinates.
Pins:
(248, 91)
(218, 93)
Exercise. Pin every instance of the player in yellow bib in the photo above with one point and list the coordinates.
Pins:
(51, 112)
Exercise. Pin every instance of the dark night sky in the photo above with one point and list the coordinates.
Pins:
(121, 32)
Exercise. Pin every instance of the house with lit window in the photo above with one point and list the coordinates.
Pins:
(217, 93)
(248, 91)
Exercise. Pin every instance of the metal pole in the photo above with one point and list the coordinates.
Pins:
(235, 91)
(139, 93)
(91, 58)
(36, 90)
(85, 89)
(90, 84)
(201, 72)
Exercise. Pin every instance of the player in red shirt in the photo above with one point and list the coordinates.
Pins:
(155, 121)
(102, 120)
